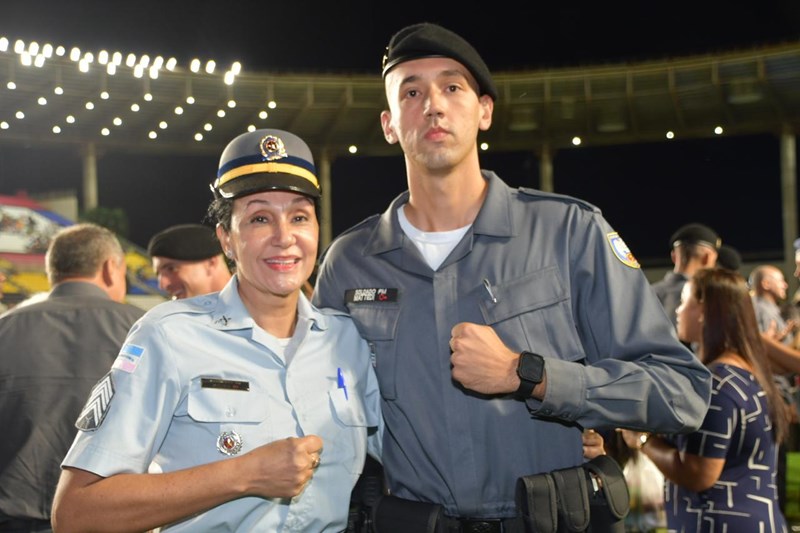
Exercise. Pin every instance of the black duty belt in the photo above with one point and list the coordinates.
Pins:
(484, 525)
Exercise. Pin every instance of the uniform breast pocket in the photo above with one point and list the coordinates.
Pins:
(532, 312)
(378, 325)
(236, 418)
(348, 431)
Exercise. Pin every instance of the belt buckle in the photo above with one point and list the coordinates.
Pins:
(477, 525)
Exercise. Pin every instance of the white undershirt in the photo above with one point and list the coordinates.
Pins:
(278, 345)
(434, 246)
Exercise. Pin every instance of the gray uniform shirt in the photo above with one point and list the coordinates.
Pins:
(51, 355)
(566, 287)
(668, 291)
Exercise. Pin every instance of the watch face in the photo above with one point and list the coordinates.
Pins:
(531, 366)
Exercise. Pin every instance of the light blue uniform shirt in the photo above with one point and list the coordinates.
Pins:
(162, 412)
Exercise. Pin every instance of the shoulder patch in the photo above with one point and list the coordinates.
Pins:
(535, 193)
(621, 250)
(96, 407)
(128, 358)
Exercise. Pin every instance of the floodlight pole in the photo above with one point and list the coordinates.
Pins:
(89, 176)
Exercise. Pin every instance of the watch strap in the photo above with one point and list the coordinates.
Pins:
(525, 389)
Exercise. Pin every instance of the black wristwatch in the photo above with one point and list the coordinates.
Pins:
(530, 370)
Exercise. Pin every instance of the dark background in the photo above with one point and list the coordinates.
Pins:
(646, 190)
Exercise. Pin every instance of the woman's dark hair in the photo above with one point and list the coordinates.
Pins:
(729, 326)
(219, 212)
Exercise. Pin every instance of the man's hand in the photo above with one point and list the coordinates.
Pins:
(283, 468)
(780, 334)
(480, 360)
(593, 444)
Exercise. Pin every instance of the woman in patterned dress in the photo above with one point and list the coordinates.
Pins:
(722, 478)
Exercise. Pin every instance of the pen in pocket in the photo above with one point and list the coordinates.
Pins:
(340, 382)
(488, 287)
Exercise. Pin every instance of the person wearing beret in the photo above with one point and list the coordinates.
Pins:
(502, 322)
(188, 261)
(692, 246)
(729, 257)
(243, 410)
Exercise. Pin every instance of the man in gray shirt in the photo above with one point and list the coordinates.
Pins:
(694, 246)
(501, 321)
(51, 355)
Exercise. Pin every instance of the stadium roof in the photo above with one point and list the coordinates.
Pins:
(45, 98)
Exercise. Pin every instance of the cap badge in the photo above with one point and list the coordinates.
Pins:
(229, 443)
(385, 59)
(272, 148)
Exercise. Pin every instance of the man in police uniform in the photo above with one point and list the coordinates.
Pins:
(188, 261)
(501, 322)
(694, 246)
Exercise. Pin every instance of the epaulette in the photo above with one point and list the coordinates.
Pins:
(359, 224)
(330, 311)
(349, 230)
(198, 305)
(559, 197)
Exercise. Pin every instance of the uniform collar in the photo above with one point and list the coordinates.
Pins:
(78, 288)
(494, 218)
(231, 313)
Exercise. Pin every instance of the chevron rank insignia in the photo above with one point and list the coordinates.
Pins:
(97, 406)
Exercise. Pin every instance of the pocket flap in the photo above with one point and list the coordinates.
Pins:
(533, 291)
(222, 405)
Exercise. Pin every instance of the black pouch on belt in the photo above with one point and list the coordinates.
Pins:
(569, 500)
(396, 515)
(610, 505)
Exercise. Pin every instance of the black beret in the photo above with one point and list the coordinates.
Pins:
(430, 40)
(696, 234)
(185, 242)
(729, 257)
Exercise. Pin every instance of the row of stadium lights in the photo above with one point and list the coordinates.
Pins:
(576, 141)
(32, 54)
(718, 130)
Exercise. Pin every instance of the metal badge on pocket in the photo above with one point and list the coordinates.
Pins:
(229, 443)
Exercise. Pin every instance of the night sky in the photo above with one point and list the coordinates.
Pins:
(733, 184)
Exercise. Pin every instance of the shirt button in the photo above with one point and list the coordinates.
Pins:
(230, 412)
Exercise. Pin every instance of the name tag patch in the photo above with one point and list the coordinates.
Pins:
(354, 296)
(226, 384)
